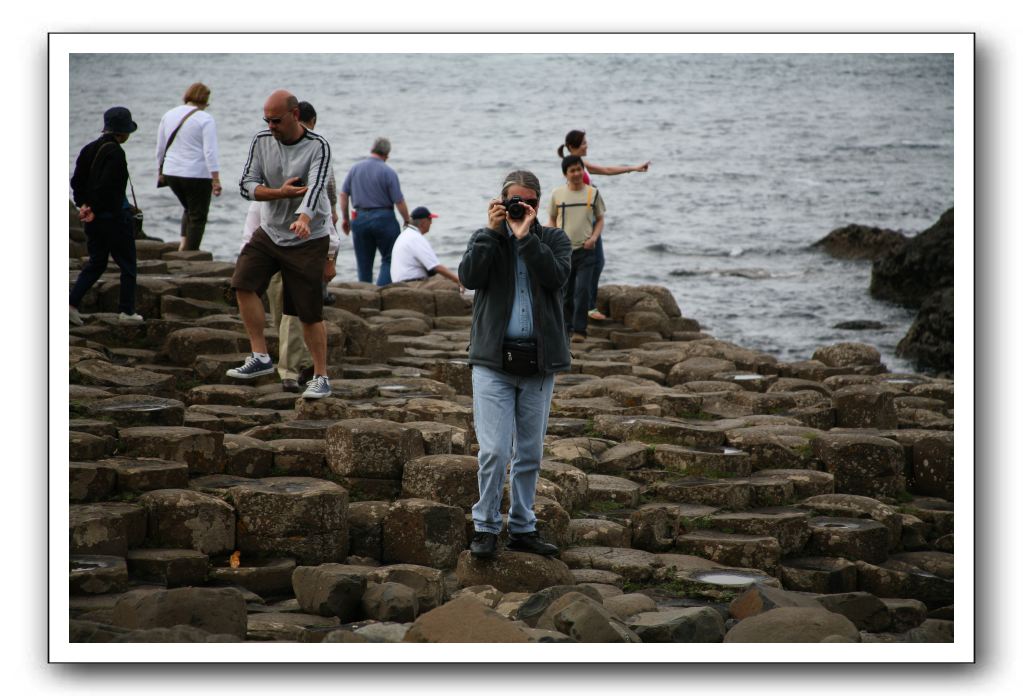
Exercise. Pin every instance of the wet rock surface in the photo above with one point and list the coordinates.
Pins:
(699, 491)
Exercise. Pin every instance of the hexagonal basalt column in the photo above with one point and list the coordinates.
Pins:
(865, 406)
(740, 550)
(862, 464)
(818, 574)
(304, 518)
(187, 519)
(445, 478)
(854, 539)
(202, 450)
(703, 461)
(106, 528)
(369, 448)
(423, 532)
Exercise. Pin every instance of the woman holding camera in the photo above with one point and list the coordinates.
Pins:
(575, 143)
(517, 268)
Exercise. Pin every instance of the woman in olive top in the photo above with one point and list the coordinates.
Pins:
(575, 144)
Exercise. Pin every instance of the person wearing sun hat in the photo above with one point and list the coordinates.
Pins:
(413, 260)
(98, 189)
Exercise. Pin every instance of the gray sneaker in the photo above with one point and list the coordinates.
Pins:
(129, 318)
(251, 368)
(317, 388)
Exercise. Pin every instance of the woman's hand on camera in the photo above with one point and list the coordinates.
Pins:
(520, 228)
(496, 215)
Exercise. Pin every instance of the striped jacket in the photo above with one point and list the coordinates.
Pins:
(271, 163)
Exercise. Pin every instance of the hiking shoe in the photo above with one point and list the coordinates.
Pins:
(596, 315)
(530, 542)
(483, 544)
(252, 367)
(74, 317)
(578, 338)
(304, 375)
(290, 385)
(317, 388)
(129, 318)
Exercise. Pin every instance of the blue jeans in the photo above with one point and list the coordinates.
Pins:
(371, 230)
(510, 415)
(598, 267)
(110, 234)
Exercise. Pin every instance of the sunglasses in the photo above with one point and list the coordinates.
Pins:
(274, 121)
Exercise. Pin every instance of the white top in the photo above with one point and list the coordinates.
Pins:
(412, 256)
(252, 222)
(194, 153)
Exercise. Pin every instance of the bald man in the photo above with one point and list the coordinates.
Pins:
(287, 170)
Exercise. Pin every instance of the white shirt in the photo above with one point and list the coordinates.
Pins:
(194, 153)
(412, 256)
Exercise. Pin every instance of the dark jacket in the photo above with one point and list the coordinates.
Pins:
(488, 267)
(100, 182)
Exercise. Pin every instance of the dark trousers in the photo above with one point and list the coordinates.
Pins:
(577, 290)
(194, 195)
(598, 266)
(111, 235)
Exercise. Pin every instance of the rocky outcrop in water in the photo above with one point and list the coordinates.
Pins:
(916, 272)
(859, 242)
(923, 266)
(700, 491)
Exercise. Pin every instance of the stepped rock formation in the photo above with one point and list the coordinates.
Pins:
(700, 491)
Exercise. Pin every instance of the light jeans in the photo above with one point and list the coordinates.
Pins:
(510, 415)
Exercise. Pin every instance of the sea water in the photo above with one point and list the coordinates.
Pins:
(754, 158)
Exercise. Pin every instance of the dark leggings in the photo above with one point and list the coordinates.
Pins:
(598, 251)
(110, 235)
(194, 195)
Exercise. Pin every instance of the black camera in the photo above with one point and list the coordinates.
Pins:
(516, 211)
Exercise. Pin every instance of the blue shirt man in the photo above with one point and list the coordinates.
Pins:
(374, 191)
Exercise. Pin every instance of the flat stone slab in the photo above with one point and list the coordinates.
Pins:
(702, 461)
(267, 577)
(202, 450)
(683, 625)
(210, 609)
(632, 564)
(223, 394)
(170, 567)
(792, 625)
(512, 571)
(235, 419)
(139, 409)
(144, 474)
(739, 550)
(734, 494)
(96, 574)
(612, 489)
(118, 379)
(286, 626)
(464, 620)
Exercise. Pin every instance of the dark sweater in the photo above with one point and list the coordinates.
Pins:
(488, 267)
(101, 177)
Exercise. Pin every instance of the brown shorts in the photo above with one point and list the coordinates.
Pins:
(301, 269)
